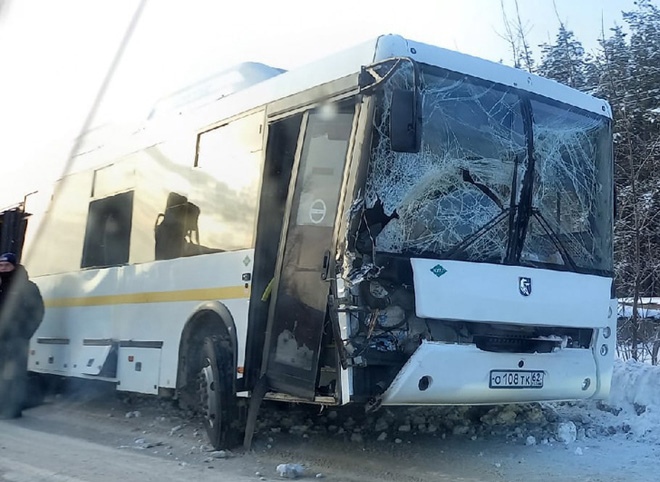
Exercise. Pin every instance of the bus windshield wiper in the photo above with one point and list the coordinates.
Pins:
(563, 251)
(506, 212)
(467, 177)
(519, 224)
(460, 247)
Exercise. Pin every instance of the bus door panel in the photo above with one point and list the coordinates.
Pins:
(298, 310)
(283, 137)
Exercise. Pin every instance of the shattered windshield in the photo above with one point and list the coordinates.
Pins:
(463, 195)
(572, 187)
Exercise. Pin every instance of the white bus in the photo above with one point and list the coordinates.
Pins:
(398, 224)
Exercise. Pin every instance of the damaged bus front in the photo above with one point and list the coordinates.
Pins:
(476, 263)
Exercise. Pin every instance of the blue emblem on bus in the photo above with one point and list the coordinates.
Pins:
(525, 286)
(438, 270)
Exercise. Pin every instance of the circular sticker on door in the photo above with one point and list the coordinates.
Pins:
(317, 211)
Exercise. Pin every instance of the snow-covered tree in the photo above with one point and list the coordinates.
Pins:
(565, 60)
(629, 80)
(644, 26)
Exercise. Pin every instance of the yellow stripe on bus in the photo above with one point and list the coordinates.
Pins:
(203, 294)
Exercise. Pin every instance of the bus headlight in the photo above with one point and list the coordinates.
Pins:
(607, 331)
(603, 350)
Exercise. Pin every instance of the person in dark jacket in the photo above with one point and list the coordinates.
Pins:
(21, 312)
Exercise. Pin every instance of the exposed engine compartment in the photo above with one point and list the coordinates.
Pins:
(383, 322)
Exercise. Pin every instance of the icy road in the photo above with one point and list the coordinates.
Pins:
(95, 435)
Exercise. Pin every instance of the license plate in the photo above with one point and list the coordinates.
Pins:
(516, 379)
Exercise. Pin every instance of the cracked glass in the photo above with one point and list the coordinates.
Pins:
(462, 196)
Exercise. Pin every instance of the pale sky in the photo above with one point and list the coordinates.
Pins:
(55, 54)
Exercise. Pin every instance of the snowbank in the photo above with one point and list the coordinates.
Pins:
(636, 393)
(635, 383)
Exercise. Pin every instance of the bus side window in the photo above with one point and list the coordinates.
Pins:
(108, 231)
(176, 228)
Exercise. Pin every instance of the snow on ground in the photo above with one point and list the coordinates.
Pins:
(619, 435)
(648, 308)
(632, 413)
(613, 440)
(635, 397)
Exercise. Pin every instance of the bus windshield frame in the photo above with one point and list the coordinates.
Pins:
(503, 176)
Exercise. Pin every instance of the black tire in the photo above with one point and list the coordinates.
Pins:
(217, 393)
(36, 388)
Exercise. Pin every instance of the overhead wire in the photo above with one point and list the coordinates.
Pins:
(130, 29)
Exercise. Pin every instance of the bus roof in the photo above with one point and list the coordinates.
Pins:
(215, 87)
(351, 60)
(271, 84)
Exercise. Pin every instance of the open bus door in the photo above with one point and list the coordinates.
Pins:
(299, 296)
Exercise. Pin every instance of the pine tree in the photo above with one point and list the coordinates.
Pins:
(565, 61)
(613, 67)
(628, 79)
(644, 25)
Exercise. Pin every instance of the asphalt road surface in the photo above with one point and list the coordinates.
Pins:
(28, 453)
(99, 436)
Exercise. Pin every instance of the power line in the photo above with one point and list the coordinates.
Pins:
(100, 94)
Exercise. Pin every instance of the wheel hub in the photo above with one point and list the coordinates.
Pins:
(208, 395)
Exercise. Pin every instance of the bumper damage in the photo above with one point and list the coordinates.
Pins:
(452, 374)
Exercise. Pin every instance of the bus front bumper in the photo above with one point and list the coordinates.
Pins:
(452, 374)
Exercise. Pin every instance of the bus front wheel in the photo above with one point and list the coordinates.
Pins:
(217, 397)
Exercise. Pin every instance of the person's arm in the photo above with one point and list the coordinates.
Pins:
(33, 307)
